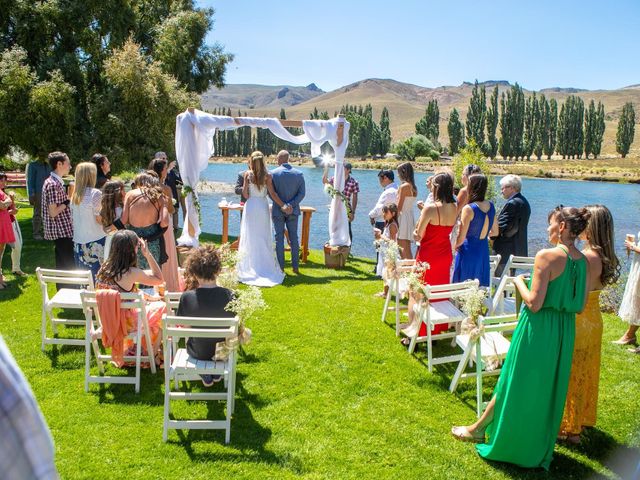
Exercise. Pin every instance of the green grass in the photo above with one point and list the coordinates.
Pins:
(325, 391)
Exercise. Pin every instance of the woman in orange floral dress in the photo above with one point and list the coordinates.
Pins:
(120, 272)
(604, 269)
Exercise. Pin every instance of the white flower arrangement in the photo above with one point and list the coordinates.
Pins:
(473, 305)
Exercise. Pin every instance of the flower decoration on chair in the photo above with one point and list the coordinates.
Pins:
(245, 304)
(413, 279)
(473, 305)
(186, 190)
(332, 192)
(391, 254)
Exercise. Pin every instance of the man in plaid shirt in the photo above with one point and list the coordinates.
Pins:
(56, 213)
(351, 189)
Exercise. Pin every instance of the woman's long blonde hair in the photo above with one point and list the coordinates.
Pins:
(259, 169)
(86, 173)
(599, 233)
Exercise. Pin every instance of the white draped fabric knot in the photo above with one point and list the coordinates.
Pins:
(194, 146)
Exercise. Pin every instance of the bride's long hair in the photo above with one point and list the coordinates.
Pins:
(259, 169)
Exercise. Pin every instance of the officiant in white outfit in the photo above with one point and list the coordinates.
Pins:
(258, 265)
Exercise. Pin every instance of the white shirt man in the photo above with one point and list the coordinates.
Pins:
(388, 195)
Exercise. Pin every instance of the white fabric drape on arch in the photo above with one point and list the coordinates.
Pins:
(194, 146)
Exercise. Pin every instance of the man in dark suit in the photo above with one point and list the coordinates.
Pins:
(512, 221)
(240, 185)
(288, 183)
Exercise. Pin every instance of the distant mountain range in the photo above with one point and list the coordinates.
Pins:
(243, 96)
(406, 102)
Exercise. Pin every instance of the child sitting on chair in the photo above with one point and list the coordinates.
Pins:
(204, 298)
(389, 234)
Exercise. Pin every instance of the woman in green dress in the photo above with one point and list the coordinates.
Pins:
(523, 417)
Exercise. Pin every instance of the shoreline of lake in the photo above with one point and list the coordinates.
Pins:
(606, 170)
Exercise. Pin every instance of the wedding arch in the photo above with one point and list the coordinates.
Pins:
(195, 130)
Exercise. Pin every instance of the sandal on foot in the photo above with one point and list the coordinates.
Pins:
(634, 350)
(380, 294)
(625, 341)
(19, 273)
(463, 434)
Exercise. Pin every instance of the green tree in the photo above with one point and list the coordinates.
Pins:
(553, 128)
(626, 129)
(531, 117)
(476, 116)
(138, 108)
(416, 146)
(385, 132)
(455, 129)
(80, 39)
(473, 154)
(429, 124)
(492, 125)
(598, 134)
(512, 109)
(589, 128)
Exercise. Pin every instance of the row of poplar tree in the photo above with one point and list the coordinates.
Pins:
(529, 126)
(366, 137)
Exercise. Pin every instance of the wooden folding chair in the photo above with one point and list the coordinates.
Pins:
(494, 261)
(93, 337)
(397, 288)
(491, 343)
(436, 308)
(68, 298)
(187, 368)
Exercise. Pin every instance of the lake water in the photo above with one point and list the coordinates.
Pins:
(543, 195)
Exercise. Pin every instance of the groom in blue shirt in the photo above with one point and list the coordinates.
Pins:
(288, 183)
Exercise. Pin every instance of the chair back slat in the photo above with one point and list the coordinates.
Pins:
(65, 277)
(182, 327)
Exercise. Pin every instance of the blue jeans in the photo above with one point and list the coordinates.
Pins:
(291, 223)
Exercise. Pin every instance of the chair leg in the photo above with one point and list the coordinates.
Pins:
(138, 356)
(386, 304)
(87, 361)
(167, 391)
(461, 368)
(479, 379)
(397, 299)
(150, 352)
(43, 328)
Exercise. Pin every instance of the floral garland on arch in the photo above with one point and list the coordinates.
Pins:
(332, 192)
(473, 305)
(186, 190)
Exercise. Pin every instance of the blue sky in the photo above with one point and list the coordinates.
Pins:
(585, 44)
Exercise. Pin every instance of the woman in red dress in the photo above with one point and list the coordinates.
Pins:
(6, 230)
(433, 230)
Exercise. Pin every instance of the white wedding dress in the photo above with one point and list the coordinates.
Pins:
(257, 264)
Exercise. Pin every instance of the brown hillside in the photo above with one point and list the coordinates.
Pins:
(406, 104)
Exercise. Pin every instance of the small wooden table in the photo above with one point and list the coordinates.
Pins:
(304, 237)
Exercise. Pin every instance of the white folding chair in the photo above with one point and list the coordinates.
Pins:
(508, 304)
(434, 309)
(397, 287)
(172, 300)
(491, 343)
(93, 334)
(188, 368)
(68, 298)
(494, 261)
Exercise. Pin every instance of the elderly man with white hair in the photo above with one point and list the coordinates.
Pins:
(512, 222)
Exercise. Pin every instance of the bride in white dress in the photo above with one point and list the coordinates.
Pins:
(258, 264)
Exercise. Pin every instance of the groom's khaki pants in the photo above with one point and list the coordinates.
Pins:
(291, 223)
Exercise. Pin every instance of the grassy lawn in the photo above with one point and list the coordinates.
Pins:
(325, 390)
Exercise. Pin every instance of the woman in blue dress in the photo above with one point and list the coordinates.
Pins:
(477, 224)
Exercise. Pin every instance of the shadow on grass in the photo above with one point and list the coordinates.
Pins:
(14, 288)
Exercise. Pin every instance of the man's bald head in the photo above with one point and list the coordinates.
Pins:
(282, 157)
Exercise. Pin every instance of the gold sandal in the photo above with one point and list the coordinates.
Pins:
(463, 434)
